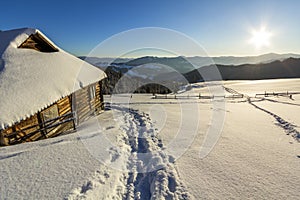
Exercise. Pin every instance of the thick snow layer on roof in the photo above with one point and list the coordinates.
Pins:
(31, 80)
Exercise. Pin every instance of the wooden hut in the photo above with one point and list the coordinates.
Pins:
(44, 90)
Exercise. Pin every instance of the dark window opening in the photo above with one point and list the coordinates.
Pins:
(92, 92)
(38, 43)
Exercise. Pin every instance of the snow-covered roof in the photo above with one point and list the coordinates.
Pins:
(31, 80)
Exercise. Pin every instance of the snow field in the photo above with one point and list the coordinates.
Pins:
(142, 168)
(126, 152)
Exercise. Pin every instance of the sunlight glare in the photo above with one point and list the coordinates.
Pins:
(260, 38)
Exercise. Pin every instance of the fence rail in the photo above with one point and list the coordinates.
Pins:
(171, 96)
(285, 94)
(43, 128)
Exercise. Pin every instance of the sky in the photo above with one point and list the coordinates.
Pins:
(220, 27)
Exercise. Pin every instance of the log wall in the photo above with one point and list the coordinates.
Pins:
(37, 127)
(88, 102)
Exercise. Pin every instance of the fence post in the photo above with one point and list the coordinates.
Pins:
(41, 125)
(3, 140)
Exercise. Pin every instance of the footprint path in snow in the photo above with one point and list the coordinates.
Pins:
(153, 174)
(288, 127)
(150, 173)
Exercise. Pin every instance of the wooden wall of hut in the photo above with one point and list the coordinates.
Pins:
(50, 122)
(88, 102)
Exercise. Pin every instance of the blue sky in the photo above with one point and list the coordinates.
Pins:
(222, 27)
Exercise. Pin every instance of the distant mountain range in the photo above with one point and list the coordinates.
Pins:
(178, 71)
(185, 64)
(103, 62)
(288, 68)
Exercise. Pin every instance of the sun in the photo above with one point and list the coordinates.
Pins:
(260, 38)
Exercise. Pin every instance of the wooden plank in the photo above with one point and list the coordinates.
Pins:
(83, 113)
(65, 99)
(82, 101)
(86, 111)
(63, 108)
(65, 111)
(37, 136)
(84, 104)
(64, 104)
(3, 140)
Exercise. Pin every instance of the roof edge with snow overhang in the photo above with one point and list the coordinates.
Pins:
(32, 76)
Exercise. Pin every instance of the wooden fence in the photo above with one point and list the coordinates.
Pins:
(173, 96)
(284, 94)
(49, 128)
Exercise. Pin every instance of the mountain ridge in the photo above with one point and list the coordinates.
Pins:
(288, 68)
(184, 64)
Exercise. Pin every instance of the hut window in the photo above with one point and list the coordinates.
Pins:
(92, 92)
(38, 43)
(50, 113)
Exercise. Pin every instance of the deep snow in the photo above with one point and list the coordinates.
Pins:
(255, 157)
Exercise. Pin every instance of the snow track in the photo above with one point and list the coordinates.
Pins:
(288, 127)
(149, 172)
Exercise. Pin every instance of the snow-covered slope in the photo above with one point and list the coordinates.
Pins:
(256, 156)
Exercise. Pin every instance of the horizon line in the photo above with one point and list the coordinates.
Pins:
(189, 56)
